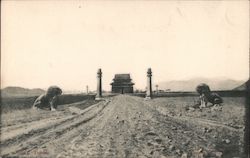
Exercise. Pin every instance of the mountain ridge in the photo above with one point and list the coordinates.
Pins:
(243, 86)
(14, 91)
(190, 84)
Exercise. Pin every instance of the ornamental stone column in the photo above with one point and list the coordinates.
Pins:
(87, 89)
(99, 85)
(149, 84)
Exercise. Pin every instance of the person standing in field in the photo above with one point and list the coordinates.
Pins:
(49, 99)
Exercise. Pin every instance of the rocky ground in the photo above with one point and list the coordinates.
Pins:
(126, 126)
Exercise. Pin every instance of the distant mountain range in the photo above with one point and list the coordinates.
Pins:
(182, 85)
(190, 85)
(21, 92)
(243, 86)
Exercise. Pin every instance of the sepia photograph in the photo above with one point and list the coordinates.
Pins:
(125, 79)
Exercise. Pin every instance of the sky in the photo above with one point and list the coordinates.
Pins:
(64, 43)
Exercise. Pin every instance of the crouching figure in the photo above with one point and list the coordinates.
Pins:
(207, 96)
(49, 99)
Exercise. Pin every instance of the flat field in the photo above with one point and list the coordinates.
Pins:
(126, 126)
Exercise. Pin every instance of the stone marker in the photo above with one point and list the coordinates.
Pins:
(99, 85)
(87, 89)
(149, 85)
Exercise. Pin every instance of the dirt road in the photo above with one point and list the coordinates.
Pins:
(121, 126)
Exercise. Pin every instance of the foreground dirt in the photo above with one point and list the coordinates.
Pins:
(121, 126)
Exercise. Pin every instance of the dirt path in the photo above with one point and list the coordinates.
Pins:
(131, 127)
(122, 126)
(23, 139)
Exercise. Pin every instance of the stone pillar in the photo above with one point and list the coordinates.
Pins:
(99, 85)
(87, 89)
(149, 84)
(157, 91)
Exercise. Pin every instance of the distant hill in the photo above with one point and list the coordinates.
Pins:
(243, 86)
(21, 92)
(190, 85)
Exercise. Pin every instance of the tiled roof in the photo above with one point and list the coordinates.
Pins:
(122, 76)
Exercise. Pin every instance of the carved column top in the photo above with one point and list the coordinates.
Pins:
(99, 73)
(149, 73)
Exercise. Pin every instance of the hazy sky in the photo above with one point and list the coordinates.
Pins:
(64, 42)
